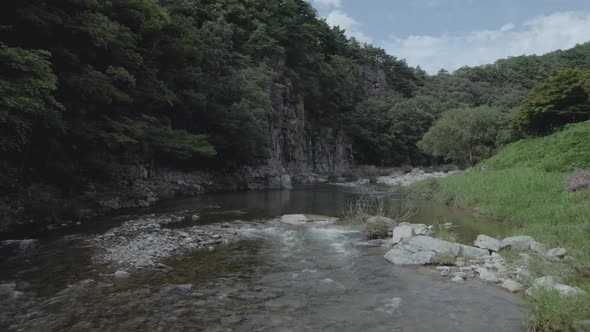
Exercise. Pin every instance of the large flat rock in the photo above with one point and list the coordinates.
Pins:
(423, 250)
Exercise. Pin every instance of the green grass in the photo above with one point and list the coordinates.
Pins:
(562, 152)
(525, 185)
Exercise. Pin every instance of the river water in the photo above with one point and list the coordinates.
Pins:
(280, 278)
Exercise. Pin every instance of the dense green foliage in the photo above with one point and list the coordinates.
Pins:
(89, 85)
(467, 135)
(563, 98)
(501, 86)
(524, 183)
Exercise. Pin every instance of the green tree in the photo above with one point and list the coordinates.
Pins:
(466, 135)
(563, 98)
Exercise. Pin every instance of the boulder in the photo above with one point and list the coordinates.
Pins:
(469, 251)
(121, 274)
(556, 253)
(512, 286)
(402, 232)
(518, 243)
(460, 275)
(294, 219)
(422, 250)
(487, 242)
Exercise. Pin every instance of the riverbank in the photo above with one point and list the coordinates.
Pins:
(528, 184)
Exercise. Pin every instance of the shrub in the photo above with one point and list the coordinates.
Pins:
(466, 135)
(578, 181)
(376, 230)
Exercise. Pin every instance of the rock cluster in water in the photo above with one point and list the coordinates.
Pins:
(413, 245)
(142, 243)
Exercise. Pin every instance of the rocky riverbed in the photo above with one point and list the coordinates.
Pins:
(412, 244)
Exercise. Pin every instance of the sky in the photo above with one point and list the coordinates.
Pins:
(449, 34)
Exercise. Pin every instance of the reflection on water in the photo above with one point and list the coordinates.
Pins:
(283, 278)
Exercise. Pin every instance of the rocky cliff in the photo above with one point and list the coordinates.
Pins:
(301, 152)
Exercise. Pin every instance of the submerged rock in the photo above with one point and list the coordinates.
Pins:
(294, 219)
(458, 279)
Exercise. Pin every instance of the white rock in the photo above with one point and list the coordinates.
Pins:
(121, 274)
(422, 250)
(421, 229)
(402, 232)
(487, 242)
(294, 219)
(512, 286)
(518, 243)
(460, 275)
(403, 257)
(444, 273)
(488, 276)
(556, 253)
(469, 251)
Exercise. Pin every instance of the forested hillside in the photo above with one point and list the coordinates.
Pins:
(387, 129)
(87, 85)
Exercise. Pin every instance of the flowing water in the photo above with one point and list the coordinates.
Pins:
(280, 278)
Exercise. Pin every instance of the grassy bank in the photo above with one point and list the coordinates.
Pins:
(525, 184)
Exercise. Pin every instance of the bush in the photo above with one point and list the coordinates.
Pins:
(466, 135)
(376, 230)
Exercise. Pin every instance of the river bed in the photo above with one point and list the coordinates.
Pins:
(277, 278)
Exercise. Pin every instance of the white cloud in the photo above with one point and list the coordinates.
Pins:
(353, 28)
(328, 3)
(539, 35)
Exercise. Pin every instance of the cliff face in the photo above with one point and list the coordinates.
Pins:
(302, 152)
(299, 145)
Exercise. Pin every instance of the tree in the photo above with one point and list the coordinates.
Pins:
(27, 105)
(563, 98)
(466, 135)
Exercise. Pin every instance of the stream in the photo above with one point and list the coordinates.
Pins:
(278, 278)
